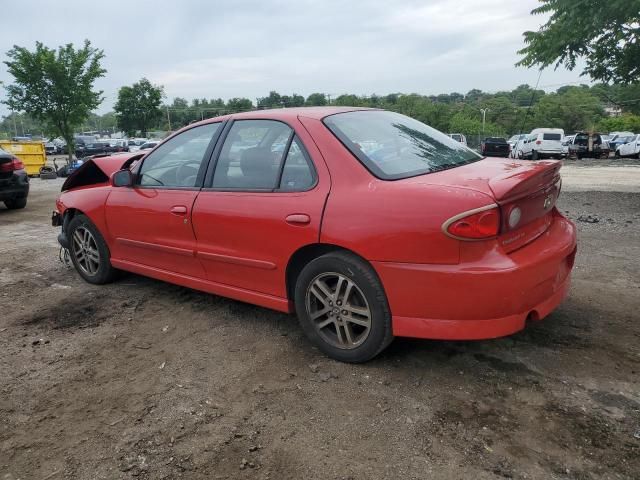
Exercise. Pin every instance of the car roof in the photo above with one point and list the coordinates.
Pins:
(284, 114)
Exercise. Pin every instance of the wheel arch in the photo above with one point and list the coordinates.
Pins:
(309, 252)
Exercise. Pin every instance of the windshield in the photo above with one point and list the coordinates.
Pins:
(393, 146)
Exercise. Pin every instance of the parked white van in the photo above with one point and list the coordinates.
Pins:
(458, 137)
(542, 143)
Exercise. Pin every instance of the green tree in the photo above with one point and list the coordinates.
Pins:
(604, 33)
(138, 106)
(348, 101)
(577, 109)
(55, 86)
(623, 123)
(239, 105)
(316, 100)
(525, 96)
(274, 100)
(295, 101)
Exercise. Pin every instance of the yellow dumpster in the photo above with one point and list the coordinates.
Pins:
(32, 154)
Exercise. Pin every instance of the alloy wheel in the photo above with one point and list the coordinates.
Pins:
(85, 251)
(338, 310)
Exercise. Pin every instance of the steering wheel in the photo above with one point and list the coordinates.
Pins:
(186, 173)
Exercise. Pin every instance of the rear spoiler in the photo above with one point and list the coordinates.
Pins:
(98, 170)
(524, 179)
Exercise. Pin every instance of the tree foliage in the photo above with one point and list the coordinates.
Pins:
(623, 123)
(605, 33)
(239, 105)
(316, 100)
(138, 107)
(55, 87)
(275, 100)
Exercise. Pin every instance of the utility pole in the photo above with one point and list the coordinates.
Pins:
(484, 113)
(168, 118)
(15, 126)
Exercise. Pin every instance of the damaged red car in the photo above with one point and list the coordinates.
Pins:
(365, 223)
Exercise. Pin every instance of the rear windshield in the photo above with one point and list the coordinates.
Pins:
(552, 136)
(495, 140)
(393, 146)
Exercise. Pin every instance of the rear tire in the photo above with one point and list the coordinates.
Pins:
(89, 252)
(342, 307)
(16, 203)
(534, 155)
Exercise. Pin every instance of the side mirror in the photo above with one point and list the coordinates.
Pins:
(122, 178)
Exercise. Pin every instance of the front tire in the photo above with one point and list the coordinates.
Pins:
(89, 252)
(342, 307)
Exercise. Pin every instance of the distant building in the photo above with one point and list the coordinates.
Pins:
(613, 111)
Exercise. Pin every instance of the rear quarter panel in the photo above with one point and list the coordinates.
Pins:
(388, 221)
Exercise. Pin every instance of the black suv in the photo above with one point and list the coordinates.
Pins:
(14, 181)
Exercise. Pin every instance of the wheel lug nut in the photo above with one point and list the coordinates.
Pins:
(339, 302)
(344, 312)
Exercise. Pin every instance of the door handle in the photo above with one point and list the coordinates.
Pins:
(298, 219)
(178, 209)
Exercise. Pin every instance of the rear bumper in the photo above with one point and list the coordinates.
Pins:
(550, 153)
(488, 298)
(17, 186)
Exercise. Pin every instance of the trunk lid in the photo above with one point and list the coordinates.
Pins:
(531, 187)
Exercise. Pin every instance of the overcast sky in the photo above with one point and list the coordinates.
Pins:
(199, 48)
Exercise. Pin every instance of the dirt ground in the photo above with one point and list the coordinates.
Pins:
(145, 379)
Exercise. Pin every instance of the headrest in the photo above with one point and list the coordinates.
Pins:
(256, 162)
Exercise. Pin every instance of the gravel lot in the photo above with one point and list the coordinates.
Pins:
(145, 379)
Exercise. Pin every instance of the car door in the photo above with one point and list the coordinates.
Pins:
(624, 146)
(635, 142)
(150, 223)
(263, 201)
(632, 145)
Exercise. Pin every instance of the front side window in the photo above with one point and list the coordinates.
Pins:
(251, 156)
(392, 146)
(177, 162)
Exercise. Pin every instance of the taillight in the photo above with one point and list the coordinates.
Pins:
(538, 142)
(15, 164)
(477, 224)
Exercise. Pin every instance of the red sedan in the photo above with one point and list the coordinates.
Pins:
(366, 223)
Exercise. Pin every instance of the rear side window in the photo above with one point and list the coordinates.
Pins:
(297, 174)
(392, 146)
(552, 136)
(251, 156)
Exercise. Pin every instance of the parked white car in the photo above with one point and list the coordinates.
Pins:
(149, 145)
(565, 144)
(136, 143)
(629, 149)
(542, 143)
(458, 137)
(514, 143)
